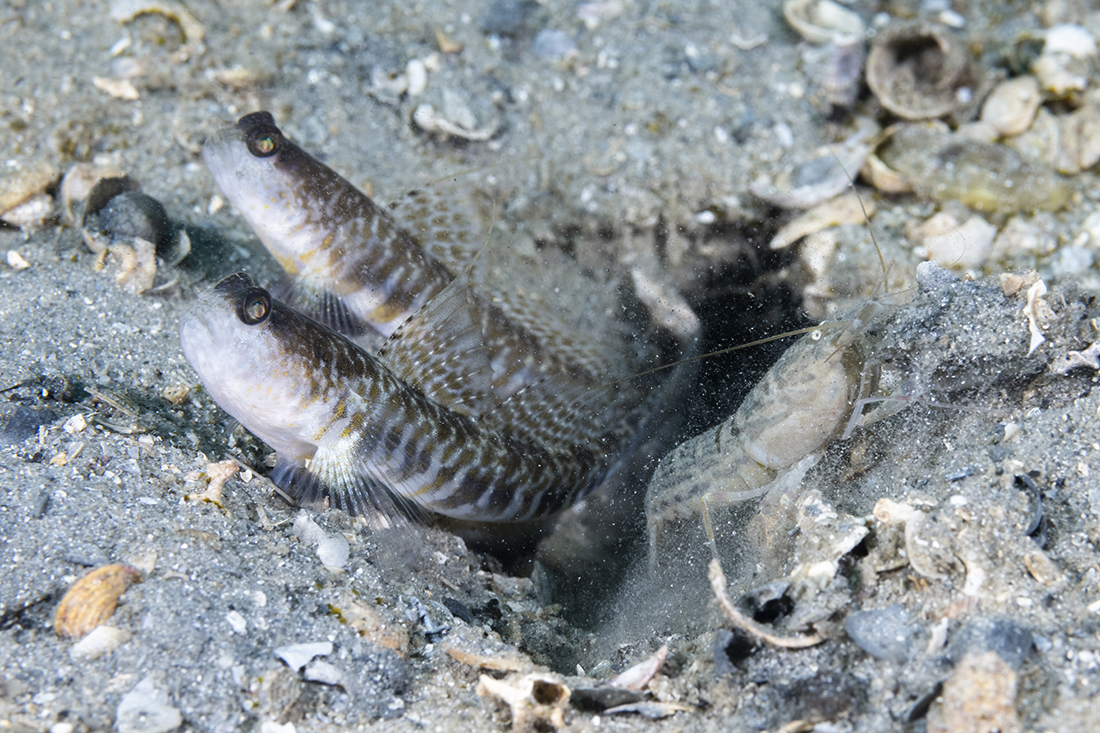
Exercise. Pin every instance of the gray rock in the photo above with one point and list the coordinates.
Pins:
(1009, 640)
(884, 633)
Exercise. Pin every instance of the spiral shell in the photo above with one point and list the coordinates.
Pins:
(92, 599)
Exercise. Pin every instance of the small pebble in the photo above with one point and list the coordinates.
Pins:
(1012, 105)
(459, 610)
(884, 633)
(333, 551)
(17, 423)
(1010, 641)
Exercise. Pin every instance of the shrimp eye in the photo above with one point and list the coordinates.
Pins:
(255, 307)
(264, 141)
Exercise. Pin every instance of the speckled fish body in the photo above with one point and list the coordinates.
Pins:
(322, 230)
(369, 433)
(354, 267)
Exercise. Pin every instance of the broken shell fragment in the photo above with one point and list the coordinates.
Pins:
(823, 21)
(16, 261)
(667, 308)
(826, 173)
(1068, 143)
(133, 265)
(77, 186)
(102, 640)
(118, 88)
(456, 120)
(127, 229)
(1039, 315)
(124, 11)
(846, 209)
(984, 176)
(879, 174)
(477, 648)
(929, 546)
(979, 696)
(836, 69)
(638, 676)
(92, 599)
(915, 68)
(24, 202)
(537, 700)
(239, 79)
(1064, 65)
(954, 244)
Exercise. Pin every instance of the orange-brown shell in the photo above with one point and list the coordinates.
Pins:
(92, 599)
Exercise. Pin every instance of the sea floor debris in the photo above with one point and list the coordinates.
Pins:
(615, 139)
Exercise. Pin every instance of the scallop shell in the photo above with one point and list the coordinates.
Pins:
(92, 599)
(914, 69)
(823, 21)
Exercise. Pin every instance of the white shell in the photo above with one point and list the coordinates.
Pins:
(1012, 105)
(822, 21)
(99, 641)
(834, 167)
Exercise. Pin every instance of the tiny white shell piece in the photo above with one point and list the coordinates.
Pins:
(822, 21)
(1034, 315)
(666, 307)
(1071, 39)
(297, 656)
(16, 261)
(99, 641)
(953, 244)
(417, 73)
(845, 209)
(325, 673)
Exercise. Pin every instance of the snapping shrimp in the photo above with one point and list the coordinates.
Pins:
(816, 392)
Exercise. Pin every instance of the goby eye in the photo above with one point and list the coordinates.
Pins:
(264, 141)
(255, 307)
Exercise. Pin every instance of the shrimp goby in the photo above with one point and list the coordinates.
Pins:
(379, 435)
